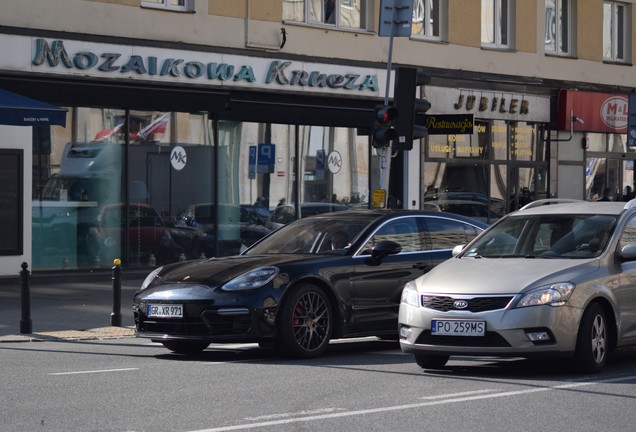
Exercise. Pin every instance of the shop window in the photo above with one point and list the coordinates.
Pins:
(173, 5)
(346, 14)
(497, 24)
(155, 187)
(616, 31)
(429, 19)
(78, 174)
(559, 26)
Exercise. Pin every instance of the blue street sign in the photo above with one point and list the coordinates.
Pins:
(266, 157)
(631, 121)
(252, 162)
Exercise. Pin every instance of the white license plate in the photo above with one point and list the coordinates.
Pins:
(458, 328)
(165, 310)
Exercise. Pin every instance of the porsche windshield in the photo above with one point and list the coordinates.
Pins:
(545, 236)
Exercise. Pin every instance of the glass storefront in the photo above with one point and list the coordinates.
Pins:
(609, 167)
(500, 167)
(153, 187)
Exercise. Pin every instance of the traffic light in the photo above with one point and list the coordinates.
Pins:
(384, 132)
(410, 123)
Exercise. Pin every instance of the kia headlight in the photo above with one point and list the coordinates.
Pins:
(553, 295)
(410, 295)
(151, 277)
(252, 279)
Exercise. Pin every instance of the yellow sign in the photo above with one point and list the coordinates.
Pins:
(379, 198)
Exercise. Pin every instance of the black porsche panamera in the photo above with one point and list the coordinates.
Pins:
(334, 275)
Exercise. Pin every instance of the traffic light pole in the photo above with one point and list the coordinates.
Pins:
(385, 152)
(395, 21)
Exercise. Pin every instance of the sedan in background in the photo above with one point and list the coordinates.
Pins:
(333, 275)
(149, 241)
(555, 279)
(194, 229)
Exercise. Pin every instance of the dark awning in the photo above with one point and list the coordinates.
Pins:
(18, 110)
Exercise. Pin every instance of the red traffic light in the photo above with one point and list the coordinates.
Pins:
(386, 114)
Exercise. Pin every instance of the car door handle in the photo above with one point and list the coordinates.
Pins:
(421, 266)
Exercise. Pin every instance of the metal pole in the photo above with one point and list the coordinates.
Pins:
(25, 322)
(385, 152)
(115, 317)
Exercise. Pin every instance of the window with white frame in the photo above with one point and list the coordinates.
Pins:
(559, 26)
(497, 23)
(349, 14)
(175, 5)
(616, 31)
(429, 19)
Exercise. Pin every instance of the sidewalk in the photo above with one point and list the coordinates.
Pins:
(68, 311)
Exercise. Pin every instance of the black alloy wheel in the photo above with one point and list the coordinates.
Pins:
(591, 343)
(305, 322)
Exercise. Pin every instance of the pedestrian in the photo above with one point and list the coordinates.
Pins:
(606, 195)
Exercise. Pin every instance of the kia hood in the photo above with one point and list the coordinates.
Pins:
(501, 275)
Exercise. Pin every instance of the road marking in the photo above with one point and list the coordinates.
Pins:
(449, 395)
(415, 405)
(94, 371)
(299, 413)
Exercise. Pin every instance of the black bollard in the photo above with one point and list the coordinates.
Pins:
(115, 317)
(25, 321)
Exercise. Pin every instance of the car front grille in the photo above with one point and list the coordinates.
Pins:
(192, 326)
(475, 304)
(490, 339)
(227, 325)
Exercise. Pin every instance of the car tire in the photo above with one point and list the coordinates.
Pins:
(186, 347)
(304, 323)
(591, 341)
(431, 361)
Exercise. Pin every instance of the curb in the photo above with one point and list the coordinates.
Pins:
(100, 333)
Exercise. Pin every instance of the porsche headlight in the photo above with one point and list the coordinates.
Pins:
(554, 295)
(252, 279)
(410, 295)
(151, 277)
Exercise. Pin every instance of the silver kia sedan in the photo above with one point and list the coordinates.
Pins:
(555, 278)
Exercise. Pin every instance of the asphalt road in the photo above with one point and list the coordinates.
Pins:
(365, 385)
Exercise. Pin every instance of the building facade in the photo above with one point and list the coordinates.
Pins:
(194, 125)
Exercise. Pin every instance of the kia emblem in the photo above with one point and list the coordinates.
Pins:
(460, 304)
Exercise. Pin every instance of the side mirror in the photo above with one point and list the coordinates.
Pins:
(457, 249)
(382, 250)
(627, 253)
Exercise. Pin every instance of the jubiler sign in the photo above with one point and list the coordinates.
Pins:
(488, 104)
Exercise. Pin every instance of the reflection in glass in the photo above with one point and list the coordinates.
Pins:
(427, 16)
(342, 13)
(557, 26)
(494, 22)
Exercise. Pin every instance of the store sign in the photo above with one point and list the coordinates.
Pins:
(596, 112)
(449, 124)
(88, 59)
(488, 104)
(178, 158)
(334, 162)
